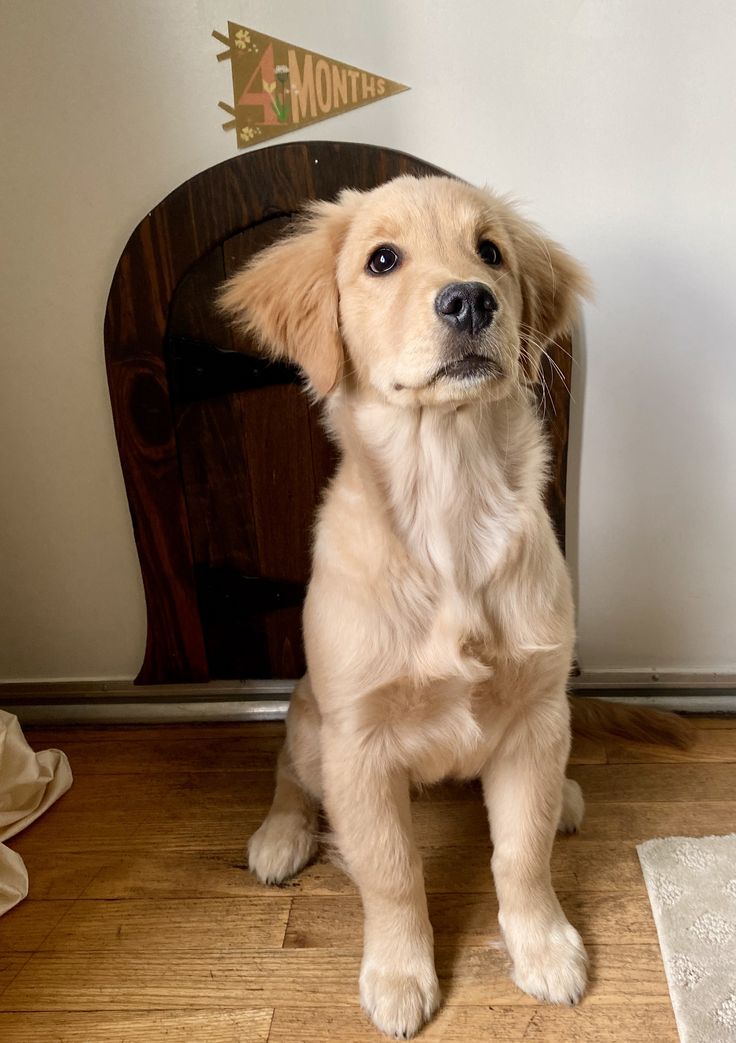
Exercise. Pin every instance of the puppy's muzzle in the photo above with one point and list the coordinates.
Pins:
(466, 307)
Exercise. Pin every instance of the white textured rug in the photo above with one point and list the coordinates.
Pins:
(692, 889)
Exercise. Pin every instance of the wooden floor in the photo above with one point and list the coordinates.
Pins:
(143, 924)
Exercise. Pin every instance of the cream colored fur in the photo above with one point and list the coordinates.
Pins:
(439, 620)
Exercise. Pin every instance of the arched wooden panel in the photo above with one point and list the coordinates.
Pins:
(223, 458)
(253, 462)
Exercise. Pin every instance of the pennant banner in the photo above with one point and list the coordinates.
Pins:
(278, 87)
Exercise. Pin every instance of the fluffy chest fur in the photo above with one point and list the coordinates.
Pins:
(434, 558)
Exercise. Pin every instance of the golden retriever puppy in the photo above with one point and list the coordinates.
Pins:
(439, 619)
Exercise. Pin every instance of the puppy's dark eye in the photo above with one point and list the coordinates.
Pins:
(382, 260)
(489, 253)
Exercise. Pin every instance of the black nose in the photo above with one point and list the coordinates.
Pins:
(466, 306)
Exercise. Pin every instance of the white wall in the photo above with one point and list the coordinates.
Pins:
(614, 119)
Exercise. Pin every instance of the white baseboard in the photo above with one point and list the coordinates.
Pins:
(150, 712)
(710, 680)
(123, 688)
(683, 702)
(122, 702)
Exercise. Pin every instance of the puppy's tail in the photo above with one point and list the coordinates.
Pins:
(595, 719)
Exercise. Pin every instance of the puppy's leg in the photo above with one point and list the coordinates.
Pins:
(523, 786)
(286, 840)
(369, 810)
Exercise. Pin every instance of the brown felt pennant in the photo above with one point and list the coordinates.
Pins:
(278, 87)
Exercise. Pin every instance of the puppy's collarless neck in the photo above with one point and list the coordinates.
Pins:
(433, 469)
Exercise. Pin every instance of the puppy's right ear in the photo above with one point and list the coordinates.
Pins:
(287, 294)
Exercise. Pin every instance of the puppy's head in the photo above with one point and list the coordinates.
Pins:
(425, 290)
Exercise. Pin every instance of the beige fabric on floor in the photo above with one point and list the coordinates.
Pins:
(692, 889)
(29, 783)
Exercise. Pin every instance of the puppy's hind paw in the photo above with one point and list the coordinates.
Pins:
(280, 848)
(573, 808)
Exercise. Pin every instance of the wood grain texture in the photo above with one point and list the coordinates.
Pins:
(145, 739)
(10, 965)
(170, 924)
(31, 924)
(149, 1026)
(169, 755)
(130, 979)
(604, 918)
(592, 866)
(681, 781)
(142, 922)
(489, 1024)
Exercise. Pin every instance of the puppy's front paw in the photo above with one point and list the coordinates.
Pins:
(280, 848)
(550, 963)
(399, 1001)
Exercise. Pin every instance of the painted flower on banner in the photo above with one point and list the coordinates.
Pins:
(279, 101)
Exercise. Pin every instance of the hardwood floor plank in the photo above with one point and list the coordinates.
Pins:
(10, 965)
(61, 830)
(586, 865)
(642, 821)
(440, 824)
(90, 836)
(178, 925)
(138, 735)
(711, 745)
(494, 1024)
(618, 974)
(587, 751)
(165, 793)
(437, 825)
(176, 874)
(603, 919)
(202, 829)
(682, 781)
(60, 833)
(577, 863)
(716, 720)
(130, 980)
(53, 875)
(146, 1026)
(163, 755)
(26, 926)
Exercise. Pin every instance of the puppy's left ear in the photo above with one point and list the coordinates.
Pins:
(287, 294)
(552, 286)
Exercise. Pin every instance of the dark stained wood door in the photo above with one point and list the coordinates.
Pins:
(253, 460)
(224, 459)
